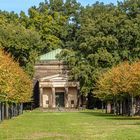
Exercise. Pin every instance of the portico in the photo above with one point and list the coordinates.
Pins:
(57, 91)
(52, 87)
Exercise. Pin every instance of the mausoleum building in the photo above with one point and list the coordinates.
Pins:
(55, 88)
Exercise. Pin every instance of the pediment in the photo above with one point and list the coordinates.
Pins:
(57, 77)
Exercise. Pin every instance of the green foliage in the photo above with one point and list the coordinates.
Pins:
(94, 38)
(23, 44)
(49, 26)
(52, 20)
(107, 35)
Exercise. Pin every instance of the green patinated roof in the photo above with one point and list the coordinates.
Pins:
(50, 55)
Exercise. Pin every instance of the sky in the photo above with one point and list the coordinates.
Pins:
(24, 5)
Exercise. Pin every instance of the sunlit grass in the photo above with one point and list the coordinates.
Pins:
(85, 125)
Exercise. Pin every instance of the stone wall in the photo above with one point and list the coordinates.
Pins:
(72, 97)
(47, 97)
(48, 68)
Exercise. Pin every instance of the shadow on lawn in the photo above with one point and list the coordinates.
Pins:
(100, 114)
(111, 116)
(124, 118)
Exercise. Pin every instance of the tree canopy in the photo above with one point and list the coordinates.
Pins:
(121, 79)
(15, 85)
(94, 38)
(107, 35)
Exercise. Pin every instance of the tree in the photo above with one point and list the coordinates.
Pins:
(15, 85)
(56, 21)
(120, 81)
(106, 36)
(23, 44)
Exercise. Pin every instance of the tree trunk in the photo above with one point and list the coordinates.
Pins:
(0, 112)
(121, 108)
(132, 105)
(114, 105)
(102, 107)
(108, 107)
(7, 110)
(21, 108)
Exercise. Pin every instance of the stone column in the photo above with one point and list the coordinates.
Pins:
(66, 97)
(41, 96)
(53, 97)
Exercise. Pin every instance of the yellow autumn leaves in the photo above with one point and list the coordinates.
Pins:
(15, 85)
(121, 79)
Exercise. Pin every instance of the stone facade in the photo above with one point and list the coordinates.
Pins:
(54, 88)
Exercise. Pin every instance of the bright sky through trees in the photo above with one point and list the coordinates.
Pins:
(24, 5)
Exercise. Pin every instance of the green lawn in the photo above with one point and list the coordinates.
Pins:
(86, 125)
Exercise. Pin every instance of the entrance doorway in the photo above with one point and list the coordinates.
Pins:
(59, 99)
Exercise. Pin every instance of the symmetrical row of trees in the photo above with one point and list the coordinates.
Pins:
(94, 38)
(15, 85)
(120, 83)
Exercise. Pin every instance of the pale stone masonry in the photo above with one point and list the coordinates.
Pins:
(55, 89)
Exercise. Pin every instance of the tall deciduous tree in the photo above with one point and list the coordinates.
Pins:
(121, 80)
(15, 85)
(106, 36)
(23, 44)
